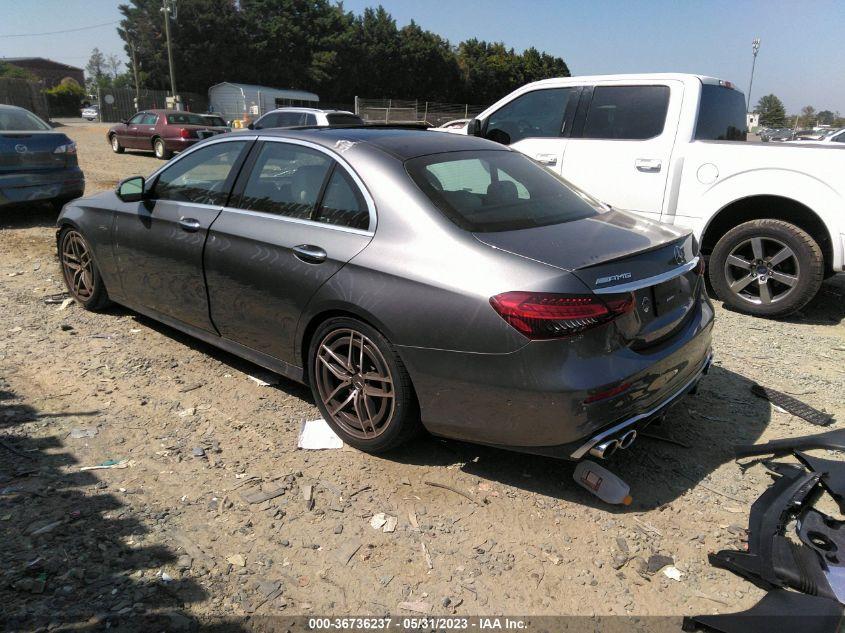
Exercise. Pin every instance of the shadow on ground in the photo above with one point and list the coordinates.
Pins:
(722, 414)
(27, 216)
(74, 556)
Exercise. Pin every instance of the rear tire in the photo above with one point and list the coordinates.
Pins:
(162, 153)
(767, 268)
(116, 147)
(381, 410)
(80, 272)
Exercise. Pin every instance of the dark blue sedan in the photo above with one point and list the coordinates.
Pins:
(37, 163)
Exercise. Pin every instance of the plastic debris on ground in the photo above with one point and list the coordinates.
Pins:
(602, 483)
(317, 435)
(108, 464)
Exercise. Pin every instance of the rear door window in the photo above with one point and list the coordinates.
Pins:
(721, 115)
(536, 114)
(627, 112)
(286, 180)
(343, 204)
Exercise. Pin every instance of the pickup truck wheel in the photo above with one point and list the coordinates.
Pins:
(767, 268)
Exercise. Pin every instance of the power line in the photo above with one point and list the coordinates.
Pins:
(82, 28)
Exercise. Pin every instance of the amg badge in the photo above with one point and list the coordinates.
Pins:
(604, 280)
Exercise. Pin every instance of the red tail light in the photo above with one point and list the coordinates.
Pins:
(543, 315)
(183, 133)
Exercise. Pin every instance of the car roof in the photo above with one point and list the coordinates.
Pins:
(309, 110)
(401, 143)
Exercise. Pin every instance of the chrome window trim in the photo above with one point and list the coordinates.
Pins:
(371, 206)
(286, 218)
(648, 281)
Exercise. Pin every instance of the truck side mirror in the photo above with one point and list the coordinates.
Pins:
(474, 127)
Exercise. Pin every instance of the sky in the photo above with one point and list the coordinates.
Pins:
(801, 59)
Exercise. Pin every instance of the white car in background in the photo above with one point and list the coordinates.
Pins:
(769, 217)
(91, 112)
(295, 117)
(833, 138)
(457, 126)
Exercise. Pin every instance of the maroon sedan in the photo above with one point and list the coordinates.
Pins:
(162, 131)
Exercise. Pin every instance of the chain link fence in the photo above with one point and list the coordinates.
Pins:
(405, 111)
(119, 104)
(24, 94)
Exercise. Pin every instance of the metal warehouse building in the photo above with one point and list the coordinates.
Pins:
(232, 100)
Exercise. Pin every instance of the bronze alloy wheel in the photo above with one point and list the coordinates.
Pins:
(354, 383)
(77, 266)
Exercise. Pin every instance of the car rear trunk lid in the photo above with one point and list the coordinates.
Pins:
(616, 254)
(31, 151)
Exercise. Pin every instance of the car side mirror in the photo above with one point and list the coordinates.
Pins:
(131, 189)
(474, 127)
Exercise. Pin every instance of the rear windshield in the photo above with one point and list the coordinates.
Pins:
(215, 120)
(186, 118)
(344, 119)
(489, 191)
(721, 115)
(14, 120)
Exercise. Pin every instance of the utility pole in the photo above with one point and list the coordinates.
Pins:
(755, 48)
(135, 74)
(168, 8)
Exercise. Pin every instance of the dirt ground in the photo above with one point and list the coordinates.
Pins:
(171, 532)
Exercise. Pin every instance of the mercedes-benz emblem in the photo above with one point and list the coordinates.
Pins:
(645, 305)
(20, 148)
(680, 255)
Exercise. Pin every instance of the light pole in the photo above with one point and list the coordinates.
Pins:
(755, 48)
(168, 7)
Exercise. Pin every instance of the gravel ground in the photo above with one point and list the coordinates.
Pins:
(173, 533)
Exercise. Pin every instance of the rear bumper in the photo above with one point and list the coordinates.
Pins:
(38, 186)
(178, 144)
(536, 399)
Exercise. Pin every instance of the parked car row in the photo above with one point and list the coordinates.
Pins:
(789, 135)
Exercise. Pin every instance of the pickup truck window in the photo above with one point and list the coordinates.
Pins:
(630, 113)
(537, 114)
(489, 191)
(721, 115)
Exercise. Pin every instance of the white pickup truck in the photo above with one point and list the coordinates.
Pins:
(770, 218)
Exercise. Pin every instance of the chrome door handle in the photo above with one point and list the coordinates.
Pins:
(310, 254)
(549, 160)
(189, 224)
(648, 165)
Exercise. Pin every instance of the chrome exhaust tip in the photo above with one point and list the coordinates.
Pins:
(605, 449)
(626, 440)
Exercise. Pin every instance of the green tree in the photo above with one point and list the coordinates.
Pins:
(808, 116)
(771, 110)
(96, 71)
(65, 98)
(13, 72)
(826, 117)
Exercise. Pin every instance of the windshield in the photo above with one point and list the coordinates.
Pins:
(186, 118)
(721, 114)
(489, 191)
(15, 120)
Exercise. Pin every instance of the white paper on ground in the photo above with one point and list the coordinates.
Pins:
(316, 434)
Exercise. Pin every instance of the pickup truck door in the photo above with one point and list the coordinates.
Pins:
(621, 143)
(537, 123)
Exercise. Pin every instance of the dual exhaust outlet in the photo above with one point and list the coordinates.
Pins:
(605, 449)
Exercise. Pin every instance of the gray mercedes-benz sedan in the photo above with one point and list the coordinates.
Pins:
(413, 279)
